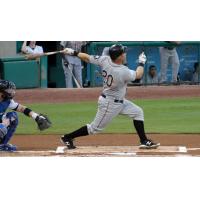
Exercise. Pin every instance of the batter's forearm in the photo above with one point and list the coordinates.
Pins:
(84, 57)
(139, 72)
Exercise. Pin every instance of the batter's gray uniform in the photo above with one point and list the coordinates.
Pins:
(112, 101)
(168, 55)
(74, 63)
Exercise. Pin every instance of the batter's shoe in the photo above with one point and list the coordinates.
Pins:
(149, 144)
(67, 142)
(8, 147)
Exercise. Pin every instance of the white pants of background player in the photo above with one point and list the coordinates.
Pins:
(108, 109)
(76, 69)
(168, 57)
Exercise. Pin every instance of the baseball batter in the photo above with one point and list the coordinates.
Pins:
(9, 121)
(169, 55)
(112, 101)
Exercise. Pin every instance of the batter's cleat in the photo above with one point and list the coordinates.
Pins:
(8, 147)
(68, 142)
(148, 144)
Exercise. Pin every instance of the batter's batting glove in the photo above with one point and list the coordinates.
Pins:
(142, 59)
(70, 52)
(43, 122)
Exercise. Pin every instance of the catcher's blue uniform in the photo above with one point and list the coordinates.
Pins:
(7, 132)
(9, 121)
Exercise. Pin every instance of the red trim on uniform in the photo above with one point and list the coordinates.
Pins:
(103, 115)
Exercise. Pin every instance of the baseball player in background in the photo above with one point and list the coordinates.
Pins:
(9, 121)
(112, 100)
(71, 63)
(169, 55)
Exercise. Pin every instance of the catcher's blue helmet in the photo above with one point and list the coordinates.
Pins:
(7, 88)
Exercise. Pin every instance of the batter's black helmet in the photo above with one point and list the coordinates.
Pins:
(116, 50)
(7, 88)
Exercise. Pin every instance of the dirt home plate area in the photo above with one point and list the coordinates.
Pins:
(111, 145)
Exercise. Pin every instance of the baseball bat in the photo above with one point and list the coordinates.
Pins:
(35, 56)
(52, 53)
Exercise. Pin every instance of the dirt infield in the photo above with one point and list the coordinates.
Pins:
(51, 142)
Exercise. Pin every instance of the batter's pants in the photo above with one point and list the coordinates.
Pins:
(108, 109)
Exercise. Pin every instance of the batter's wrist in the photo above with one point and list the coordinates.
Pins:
(141, 64)
(76, 53)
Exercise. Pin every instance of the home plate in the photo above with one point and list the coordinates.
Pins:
(118, 150)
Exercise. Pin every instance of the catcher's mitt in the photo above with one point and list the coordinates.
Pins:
(43, 122)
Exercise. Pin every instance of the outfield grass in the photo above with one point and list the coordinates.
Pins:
(161, 116)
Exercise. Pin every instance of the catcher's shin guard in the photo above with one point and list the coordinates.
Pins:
(13, 117)
(3, 132)
(8, 147)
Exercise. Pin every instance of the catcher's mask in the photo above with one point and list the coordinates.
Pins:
(116, 50)
(7, 88)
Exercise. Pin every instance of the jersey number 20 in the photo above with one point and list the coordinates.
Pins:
(108, 79)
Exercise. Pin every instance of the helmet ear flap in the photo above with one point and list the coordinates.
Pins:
(9, 94)
(3, 96)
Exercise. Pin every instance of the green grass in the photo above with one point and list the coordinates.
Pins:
(161, 116)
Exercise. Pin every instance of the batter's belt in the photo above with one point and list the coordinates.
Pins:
(115, 100)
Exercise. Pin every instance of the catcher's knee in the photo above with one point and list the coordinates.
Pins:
(13, 117)
(92, 129)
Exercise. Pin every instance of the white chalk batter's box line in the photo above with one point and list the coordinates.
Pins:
(122, 150)
(129, 151)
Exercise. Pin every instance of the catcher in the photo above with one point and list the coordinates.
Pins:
(9, 120)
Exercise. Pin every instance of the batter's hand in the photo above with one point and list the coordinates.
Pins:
(142, 58)
(69, 51)
(43, 122)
